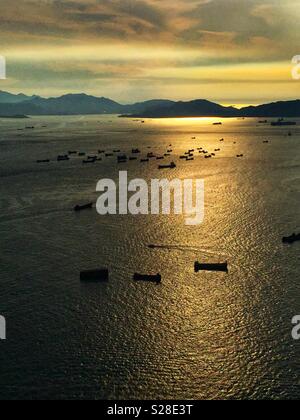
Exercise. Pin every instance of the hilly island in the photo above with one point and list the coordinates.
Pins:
(12, 105)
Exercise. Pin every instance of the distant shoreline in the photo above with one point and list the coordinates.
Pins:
(16, 117)
(267, 118)
(20, 106)
(228, 117)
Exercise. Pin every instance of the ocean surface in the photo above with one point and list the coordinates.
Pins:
(195, 336)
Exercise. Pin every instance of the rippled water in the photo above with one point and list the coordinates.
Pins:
(206, 335)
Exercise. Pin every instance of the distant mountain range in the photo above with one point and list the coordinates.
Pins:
(10, 98)
(78, 104)
(203, 108)
(82, 104)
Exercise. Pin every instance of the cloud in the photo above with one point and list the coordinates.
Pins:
(137, 42)
(206, 23)
(274, 21)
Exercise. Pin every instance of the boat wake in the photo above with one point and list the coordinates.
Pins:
(186, 248)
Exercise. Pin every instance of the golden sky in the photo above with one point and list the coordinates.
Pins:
(230, 51)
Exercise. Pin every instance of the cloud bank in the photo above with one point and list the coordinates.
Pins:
(136, 49)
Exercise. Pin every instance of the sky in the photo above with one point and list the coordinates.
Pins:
(234, 52)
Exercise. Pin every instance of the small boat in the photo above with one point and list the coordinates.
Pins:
(88, 161)
(98, 275)
(183, 157)
(62, 158)
(146, 277)
(150, 156)
(43, 161)
(171, 166)
(291, 239)
(282, 123)
(169, 151)
(84, 207)
(188, 159)
(239, 156)
(223, 267)
(217, 123)
(122, 159)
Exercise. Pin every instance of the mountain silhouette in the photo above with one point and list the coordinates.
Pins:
(82, 104)
(75, 104)
(146, 106)
(71, 104)
(9, 98)
(196, 108)
(275, 109)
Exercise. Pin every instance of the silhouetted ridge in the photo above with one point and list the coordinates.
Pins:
(275, 109)
(200, 107)
(82, 104)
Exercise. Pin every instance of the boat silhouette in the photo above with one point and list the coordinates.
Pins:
(282, 123)
(146, 277)
(84, 207)
(62, 158)
(171, 166)
(291, 239)
(223, 267)
(98, 275)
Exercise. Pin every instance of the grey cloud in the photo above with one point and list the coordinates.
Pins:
(140, 9)
(246, 18)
